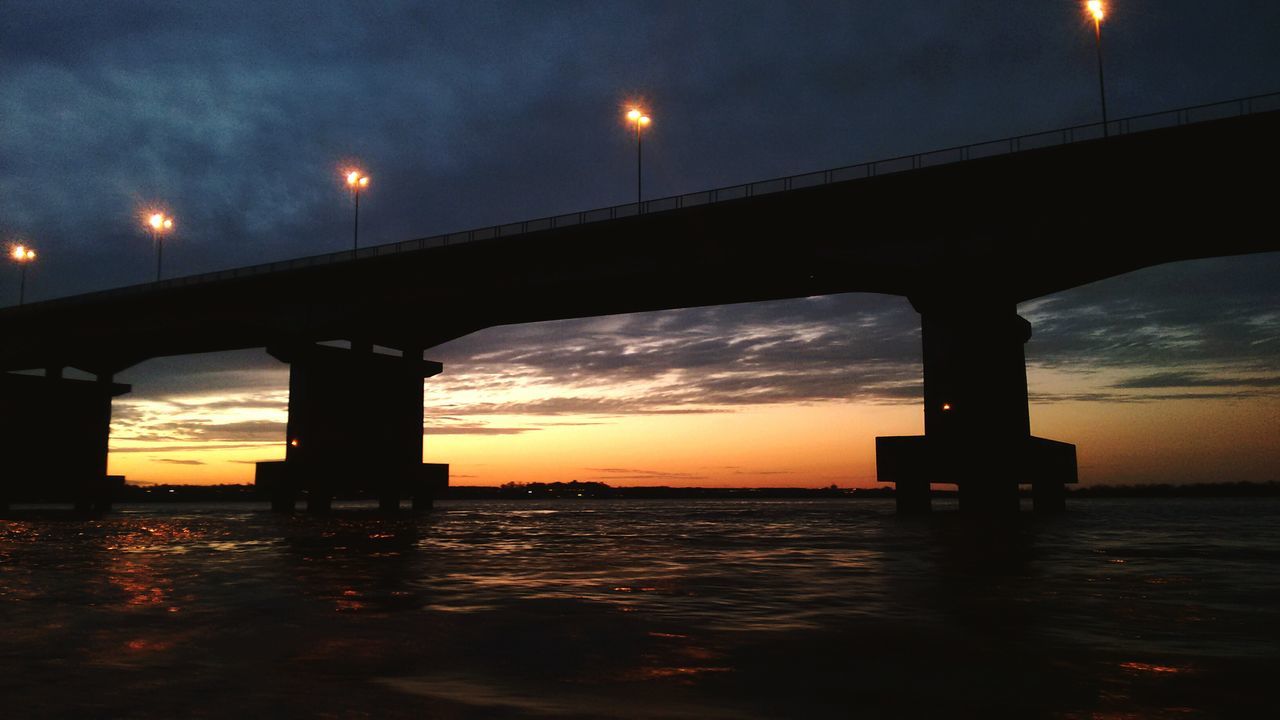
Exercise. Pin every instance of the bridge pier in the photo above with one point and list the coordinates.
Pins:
(53, 438)
(977, 424)
(355, 429)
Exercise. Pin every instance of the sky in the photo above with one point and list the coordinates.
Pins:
(237, 118)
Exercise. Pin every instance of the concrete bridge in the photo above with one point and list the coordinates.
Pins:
(965, 233)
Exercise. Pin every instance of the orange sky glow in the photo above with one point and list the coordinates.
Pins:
(790, 445)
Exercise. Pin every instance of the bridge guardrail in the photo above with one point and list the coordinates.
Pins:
(960, 153)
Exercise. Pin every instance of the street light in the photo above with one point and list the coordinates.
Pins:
(1099, 12)
(22, 255)
(641, 121)
(159, 224)
(356, 180)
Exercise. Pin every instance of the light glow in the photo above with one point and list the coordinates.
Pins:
(1097, 10)
(159, 222)
(357, 179)
(638, 116)
(22, 254)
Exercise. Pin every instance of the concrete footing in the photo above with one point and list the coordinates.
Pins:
(988, 481)
(989, 497)
(1049, 497)
(283, 485)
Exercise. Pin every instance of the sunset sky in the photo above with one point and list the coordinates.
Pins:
(236, 117)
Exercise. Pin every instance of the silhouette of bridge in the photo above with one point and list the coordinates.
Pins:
(965, 233)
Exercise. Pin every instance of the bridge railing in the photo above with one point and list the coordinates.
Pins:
(904, 163)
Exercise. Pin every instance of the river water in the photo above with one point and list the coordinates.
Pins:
(1164, 608)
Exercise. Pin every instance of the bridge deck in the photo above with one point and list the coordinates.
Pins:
(1021, 218)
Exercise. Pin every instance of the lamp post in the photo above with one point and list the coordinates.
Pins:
(1099, 12)
(159, 224)
(356, 180)
(22, 255)
(641, 120)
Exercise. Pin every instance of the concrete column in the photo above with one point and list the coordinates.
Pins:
(355, 425)
(912, 497)
(976, 418)
(54, 434)
(1048, 496)
(975, 395)
(319, 500)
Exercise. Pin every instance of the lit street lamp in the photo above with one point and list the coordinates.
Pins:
(22, 255)
(356, 180)
(159, 224)
(1099, 12)
(641, 121)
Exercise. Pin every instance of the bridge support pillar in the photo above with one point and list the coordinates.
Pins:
(977, 425)
(355, 429)
(1048, 496)
(53, 438)
(913, 497)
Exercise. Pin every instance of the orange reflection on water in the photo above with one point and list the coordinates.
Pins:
(348, 601)
(145, 645)
(1148, 667)
(683, 673)
(139, 582)
(137, 566)
(159, 535)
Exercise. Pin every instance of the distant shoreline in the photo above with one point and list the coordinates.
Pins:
(588, 490)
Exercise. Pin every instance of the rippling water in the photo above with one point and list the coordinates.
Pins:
(643, 609)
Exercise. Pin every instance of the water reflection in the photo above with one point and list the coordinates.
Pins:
(628, 609)
(355, 562)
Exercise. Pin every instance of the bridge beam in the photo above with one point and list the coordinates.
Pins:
(977, 424)
(53, 439)
(355, 429)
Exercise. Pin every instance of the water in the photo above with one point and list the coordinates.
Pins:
(644, 609)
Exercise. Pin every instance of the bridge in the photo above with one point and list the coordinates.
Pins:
(964, 233)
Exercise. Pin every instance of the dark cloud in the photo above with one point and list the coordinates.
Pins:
(456, 428)
(847, 347)
(1195, 380)
(640, 474)
(200, 447)
(1213, 320)
(251, 372)
(1115, 397)
(143, 428)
